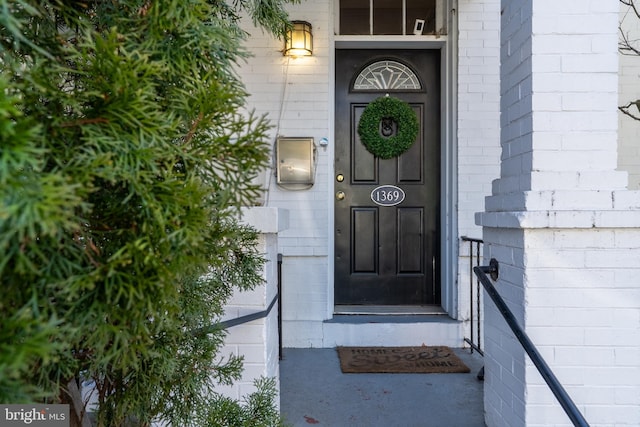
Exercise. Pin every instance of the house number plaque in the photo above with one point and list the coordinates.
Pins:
(387, 195)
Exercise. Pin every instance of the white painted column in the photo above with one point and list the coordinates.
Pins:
(561, 223)
(258, 340)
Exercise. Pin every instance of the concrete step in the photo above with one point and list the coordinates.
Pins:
(392, 330)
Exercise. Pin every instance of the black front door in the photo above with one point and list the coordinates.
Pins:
(387, 255)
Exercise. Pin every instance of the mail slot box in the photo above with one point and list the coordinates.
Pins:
(295, 160)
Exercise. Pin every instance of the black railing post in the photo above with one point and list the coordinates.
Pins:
(280, 306)
(475, 320)
(559, 392)
(479, 320)
(471, 294)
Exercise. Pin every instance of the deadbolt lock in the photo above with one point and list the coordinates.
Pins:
(340, 177)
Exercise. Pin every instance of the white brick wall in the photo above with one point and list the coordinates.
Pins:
(575, 290)
(559, 130)
(564, 238)
(304, 289)
(478, 108)
(581, 292)
(256, 341)
(297, 94)
(478, 129)
(577, 38)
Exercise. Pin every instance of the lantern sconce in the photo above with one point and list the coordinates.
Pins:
(299, 40)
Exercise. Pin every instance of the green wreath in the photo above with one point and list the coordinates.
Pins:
(388, 127)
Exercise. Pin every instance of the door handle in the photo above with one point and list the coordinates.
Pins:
(340, 195)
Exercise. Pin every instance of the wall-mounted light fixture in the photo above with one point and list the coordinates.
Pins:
(299, 40)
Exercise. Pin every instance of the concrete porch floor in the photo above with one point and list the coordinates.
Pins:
(314, 391)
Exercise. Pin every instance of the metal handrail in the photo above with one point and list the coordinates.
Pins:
(225, 324)
(559, 392)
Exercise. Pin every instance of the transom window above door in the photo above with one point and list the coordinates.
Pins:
(391, 17)
(386, 75)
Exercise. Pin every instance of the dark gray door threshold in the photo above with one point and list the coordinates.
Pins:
(389, 310)
(358, 314)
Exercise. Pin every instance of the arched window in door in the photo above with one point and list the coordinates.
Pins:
(387, 75)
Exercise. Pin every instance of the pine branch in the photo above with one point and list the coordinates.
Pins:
(82, 122)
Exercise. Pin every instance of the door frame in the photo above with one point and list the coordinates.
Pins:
(448, 158)
(391, 278)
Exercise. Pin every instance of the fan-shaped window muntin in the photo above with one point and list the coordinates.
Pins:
(387, 75)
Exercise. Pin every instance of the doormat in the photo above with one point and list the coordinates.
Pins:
(400, 360)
